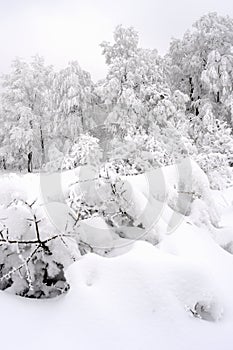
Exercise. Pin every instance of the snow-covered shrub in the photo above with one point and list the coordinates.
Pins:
(29, 264)
(31, 275)
(136, 154)
(194, 182)
(140, 151)
(85, 150)
(102, 196)
(216, 166)
(215, 147)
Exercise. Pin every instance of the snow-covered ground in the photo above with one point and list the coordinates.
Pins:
(176, 295)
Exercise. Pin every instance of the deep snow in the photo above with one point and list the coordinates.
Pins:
(140, 296)
(135, 301)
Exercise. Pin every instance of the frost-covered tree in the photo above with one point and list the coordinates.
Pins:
(201, 66)
(135, 83)
(26, 113)
(201, 63)
(137, 96)
(153, 110)
(72, 98)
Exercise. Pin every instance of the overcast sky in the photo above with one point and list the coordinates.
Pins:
(65, 30)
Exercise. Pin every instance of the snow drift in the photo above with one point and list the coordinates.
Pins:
(139, 292)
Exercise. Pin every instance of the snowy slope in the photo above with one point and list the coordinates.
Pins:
(135, 301)
(139, 297)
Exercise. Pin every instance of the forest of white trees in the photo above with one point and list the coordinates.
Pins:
(148, 111)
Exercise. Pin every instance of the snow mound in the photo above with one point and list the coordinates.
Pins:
(153, 280)
(139, 294)
(134, 301)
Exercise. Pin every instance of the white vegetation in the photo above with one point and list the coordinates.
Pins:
(159, 109)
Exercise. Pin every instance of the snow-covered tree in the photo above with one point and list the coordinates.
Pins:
(201, 63)
(26, 113)
(135, 82)
(201, 66)
(73, 98)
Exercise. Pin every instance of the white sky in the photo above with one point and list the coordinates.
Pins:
(65, 30)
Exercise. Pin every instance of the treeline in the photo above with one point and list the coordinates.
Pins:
(148, 111)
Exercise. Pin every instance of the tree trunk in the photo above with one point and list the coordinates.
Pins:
(82, 120)
(42, 146)
(4, 163)
(30, 162)
(191, 88)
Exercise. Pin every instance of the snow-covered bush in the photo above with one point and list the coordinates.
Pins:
(29, 263)
(102, 196)
(85, 151)
(216, 166)
(214, 150)
(140, 151)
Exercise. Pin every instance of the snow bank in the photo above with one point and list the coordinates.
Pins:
(159, 201)
(175, 295)
(140, 300)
